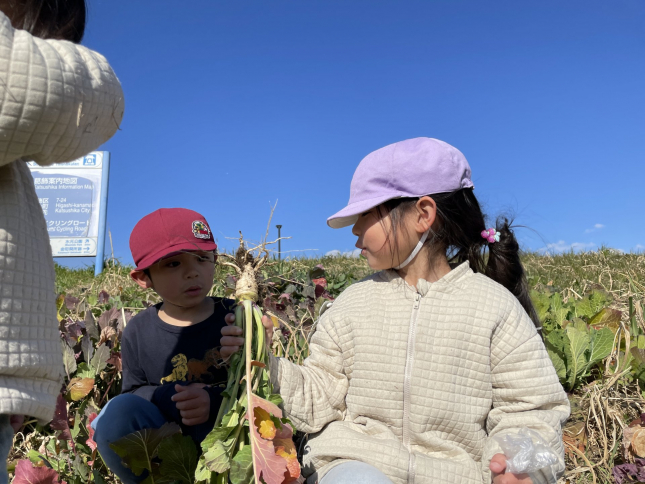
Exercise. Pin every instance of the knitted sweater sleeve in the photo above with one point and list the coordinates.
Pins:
(314, 393)
(526, 391)
(58, 100)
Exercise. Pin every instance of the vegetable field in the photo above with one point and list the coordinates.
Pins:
(591, 305)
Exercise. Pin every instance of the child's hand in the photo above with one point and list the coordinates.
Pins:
(498, 468)
(229, 318)
(193, 403)
(232, 339)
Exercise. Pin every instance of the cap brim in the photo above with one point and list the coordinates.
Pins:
(349, 215)
(206, 245)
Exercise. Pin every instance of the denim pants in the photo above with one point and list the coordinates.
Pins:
(355, 472)
(6, 441)
(121, 416)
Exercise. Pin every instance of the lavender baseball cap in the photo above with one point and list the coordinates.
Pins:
(411, 168)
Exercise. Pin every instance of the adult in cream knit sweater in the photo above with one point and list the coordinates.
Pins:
(415, 371)
(58, 101)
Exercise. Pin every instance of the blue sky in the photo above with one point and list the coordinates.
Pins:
(231, 106)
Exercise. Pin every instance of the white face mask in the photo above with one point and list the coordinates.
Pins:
(415, 251)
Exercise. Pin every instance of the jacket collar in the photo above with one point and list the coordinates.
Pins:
(447, 283)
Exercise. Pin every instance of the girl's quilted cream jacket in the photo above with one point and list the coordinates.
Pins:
(417, 381)
(58, 101)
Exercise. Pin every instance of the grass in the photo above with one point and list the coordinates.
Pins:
(622, 275)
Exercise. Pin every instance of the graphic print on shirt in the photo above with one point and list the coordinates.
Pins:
(194, 369)
(180, 363)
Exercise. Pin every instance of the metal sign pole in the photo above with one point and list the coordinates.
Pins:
(100, 243)
(279, 243)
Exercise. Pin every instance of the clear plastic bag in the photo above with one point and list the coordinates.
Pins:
(526, 451)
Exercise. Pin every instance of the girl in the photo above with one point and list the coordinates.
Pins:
(58, 101)
(414, 369)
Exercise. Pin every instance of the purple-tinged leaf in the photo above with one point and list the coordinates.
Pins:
(71, 302)
(109, 318)
(629, 473)
(60, 421)
(90, 326)
(103, 297)
(74, 329)
(26, 473)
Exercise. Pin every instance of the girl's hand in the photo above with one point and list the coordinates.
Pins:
(500, 476)
(232, 339)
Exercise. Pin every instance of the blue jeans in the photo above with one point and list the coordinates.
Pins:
(6, 441)
(355, 472)
(123, 415)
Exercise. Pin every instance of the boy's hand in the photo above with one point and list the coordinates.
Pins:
(193, 403)
(498, 468)
(232, 339)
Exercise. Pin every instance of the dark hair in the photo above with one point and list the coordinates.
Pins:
(50, 19)
(457, 233)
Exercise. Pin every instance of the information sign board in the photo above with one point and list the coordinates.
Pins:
(73, 197)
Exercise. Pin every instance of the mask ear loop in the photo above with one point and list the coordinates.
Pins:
(415, 251)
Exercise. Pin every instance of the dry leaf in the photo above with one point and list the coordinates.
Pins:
(286, 448)
(576, 436)
(263, 422)
(638, 442)
(79, 388)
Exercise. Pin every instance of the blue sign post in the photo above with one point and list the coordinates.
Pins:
(74, 198)
(105, 182)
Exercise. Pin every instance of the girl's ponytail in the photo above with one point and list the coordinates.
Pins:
(505, 267)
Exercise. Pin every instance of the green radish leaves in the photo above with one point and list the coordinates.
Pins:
(251, 442)
(178, 459)
(242, 467)
(579, 334)
(139, 448)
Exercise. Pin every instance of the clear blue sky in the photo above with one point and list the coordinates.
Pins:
(233, 105)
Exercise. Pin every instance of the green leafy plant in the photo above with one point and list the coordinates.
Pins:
(139, 449)
(576, 349)
(251, 441)
(579, 334)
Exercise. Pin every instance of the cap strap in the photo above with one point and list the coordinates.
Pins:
(415, 251)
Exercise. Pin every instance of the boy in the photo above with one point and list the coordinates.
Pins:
(169, 351)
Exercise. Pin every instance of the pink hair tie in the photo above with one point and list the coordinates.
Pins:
(491, 235)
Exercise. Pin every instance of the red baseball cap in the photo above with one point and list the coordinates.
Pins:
(169, 230)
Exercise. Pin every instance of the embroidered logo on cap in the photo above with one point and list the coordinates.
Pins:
(201, 230)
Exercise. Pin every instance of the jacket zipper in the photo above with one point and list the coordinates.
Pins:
(409, 362)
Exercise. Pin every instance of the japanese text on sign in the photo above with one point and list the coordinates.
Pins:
(69, 194)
